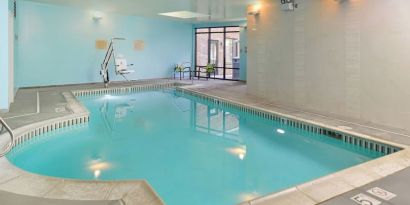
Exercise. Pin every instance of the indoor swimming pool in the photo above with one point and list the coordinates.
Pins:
(190, 150)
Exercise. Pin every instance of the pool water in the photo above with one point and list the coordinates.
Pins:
(190, 151)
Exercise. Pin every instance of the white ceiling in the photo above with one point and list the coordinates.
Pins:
(218, 10)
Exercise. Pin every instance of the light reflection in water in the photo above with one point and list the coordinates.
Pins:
(219, 123)
(119, 112)
(97, 174)
(280, 131)
(216, 122)
(238, 151)
(97, 166)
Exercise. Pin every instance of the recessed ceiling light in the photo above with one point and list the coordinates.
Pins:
(184, 14)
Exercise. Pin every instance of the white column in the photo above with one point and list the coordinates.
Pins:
(4, 55)
(11, 52)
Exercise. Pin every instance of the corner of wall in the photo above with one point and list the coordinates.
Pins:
(4, 54)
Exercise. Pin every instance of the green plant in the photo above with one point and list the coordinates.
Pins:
(210, 68)
(179, 68)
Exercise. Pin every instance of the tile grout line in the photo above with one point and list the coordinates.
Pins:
(9, 180)
(52, 188)
(307, 195)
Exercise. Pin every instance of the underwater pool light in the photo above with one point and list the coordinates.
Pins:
(280, 131)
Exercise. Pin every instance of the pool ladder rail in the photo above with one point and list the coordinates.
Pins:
(10, 145)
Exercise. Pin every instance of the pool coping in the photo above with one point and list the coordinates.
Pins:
(15, 180)
(21, 182)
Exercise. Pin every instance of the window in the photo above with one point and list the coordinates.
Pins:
(219, 46)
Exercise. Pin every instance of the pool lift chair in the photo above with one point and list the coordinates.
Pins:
(121, 66)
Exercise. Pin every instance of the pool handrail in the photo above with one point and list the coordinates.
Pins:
(11, 143)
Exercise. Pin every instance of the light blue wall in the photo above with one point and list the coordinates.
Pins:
(57, 45)
(4, 55)
(243, 43)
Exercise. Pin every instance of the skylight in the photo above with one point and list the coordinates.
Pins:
(184, 14)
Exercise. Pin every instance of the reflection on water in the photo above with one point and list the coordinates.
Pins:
(120, 112)
(238, 151)
(204, 118)
(280, 131)
(97, 166)
(215, 122)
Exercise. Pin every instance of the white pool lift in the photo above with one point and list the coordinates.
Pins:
(121, 66)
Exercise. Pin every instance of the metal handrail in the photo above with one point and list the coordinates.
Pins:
(110, 51)
(108, 55)
(11, 144)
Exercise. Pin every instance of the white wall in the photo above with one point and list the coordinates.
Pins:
(347, 58)
(11, 57)
(4, 55)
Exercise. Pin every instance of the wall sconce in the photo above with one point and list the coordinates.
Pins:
(255, 10)
(97, 16)
(253, 13)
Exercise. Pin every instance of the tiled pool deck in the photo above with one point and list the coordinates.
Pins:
(35, 107)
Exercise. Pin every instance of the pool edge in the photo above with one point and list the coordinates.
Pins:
(311, 192)
(18, 181)
(335, 184)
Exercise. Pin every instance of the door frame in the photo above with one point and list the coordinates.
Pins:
(210, 32)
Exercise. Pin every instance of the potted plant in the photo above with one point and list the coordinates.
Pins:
(179, 68)
(210, 68)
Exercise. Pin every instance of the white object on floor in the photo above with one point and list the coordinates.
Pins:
(381, 193)
(363, 199)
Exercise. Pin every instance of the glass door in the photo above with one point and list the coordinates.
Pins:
(218, 46)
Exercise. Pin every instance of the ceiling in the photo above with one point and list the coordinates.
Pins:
(218, 10)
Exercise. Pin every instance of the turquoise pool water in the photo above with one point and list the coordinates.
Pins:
(190, 151)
